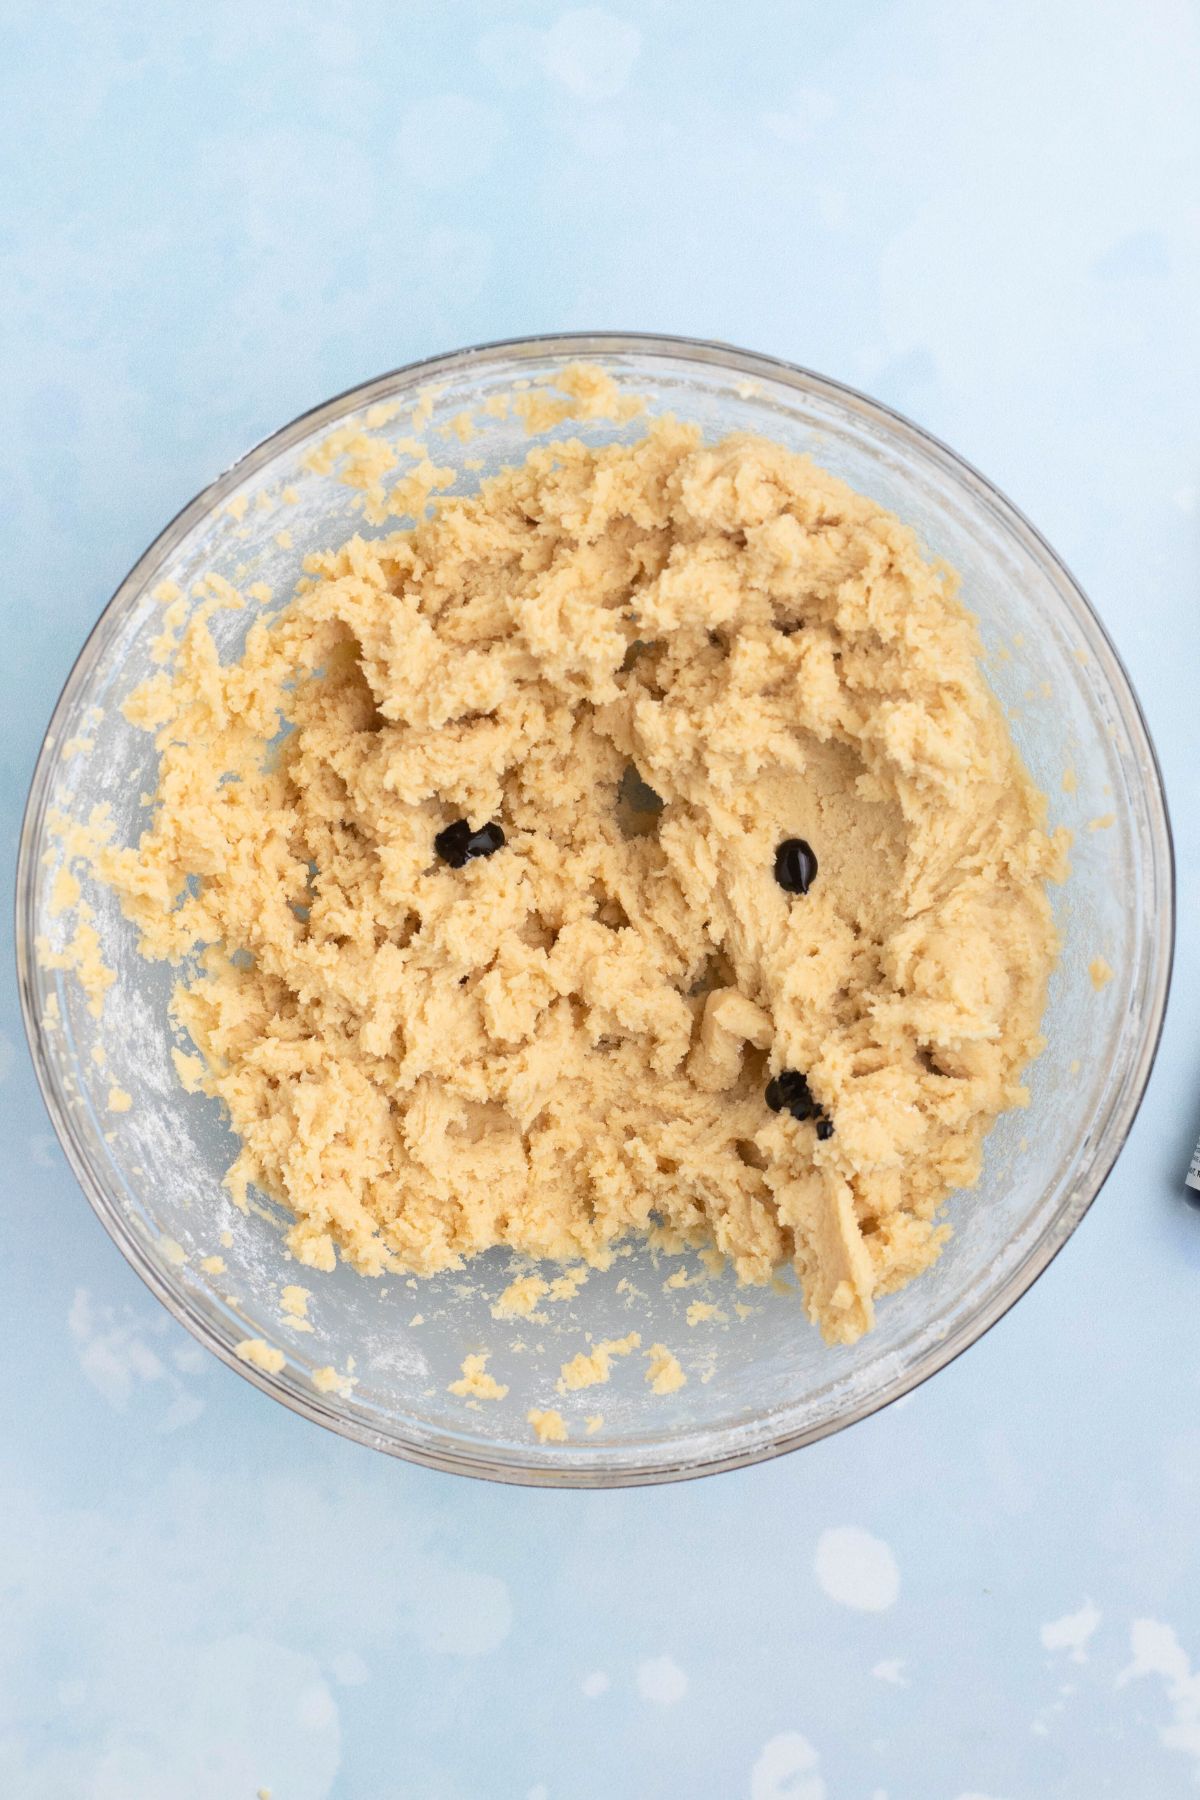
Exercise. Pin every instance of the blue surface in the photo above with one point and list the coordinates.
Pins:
(986, 215)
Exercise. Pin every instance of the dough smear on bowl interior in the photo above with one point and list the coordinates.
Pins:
(647, 848)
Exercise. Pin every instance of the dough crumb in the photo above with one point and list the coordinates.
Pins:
(422, 412)
(1100, 971)
(702, 1312)
(328, 1381)
(260, 1355)
(118, 1100)
(520, 1298)
(1103, 823)
(593, 1422)
(589, 1368)
(293, 1303)
(566, 1286)
(382, 413)
(81, 956)
(663, 1371)
(1070, 781)
(226, 1240)
(64, 894)
(476, 1382)
(213, 1265)
(173, 1251)
(549, 1427)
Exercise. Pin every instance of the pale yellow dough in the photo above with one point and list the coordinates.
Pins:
(475, 1381)
(590, 1367)
(260, 1355)
(664, 1371)
(549, 1427)
(568, 1042)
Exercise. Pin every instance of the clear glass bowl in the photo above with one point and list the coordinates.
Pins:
(758, 1385)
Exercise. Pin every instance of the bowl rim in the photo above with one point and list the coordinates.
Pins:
(478, 1461)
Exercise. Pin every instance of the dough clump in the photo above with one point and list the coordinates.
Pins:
(649, 664)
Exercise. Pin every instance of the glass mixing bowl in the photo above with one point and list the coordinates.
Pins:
(758, 1384)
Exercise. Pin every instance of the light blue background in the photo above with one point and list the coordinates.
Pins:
(988, 215)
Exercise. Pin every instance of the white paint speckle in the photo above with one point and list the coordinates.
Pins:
(316, 1709)
(1072, 1631)
(891, 1670)
(591, 53)
(113, 1356)
(856, 1569)
(1156, 1650)
(595, 1684)
(116, 1357)
(183, 1409)
(661, 1680)
(788, 1768)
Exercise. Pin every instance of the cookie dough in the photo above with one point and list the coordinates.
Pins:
(649, 665)
(260, 1355)
(549, 1426)
(664, 1371)
(592, 1366)
(475, 1381)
